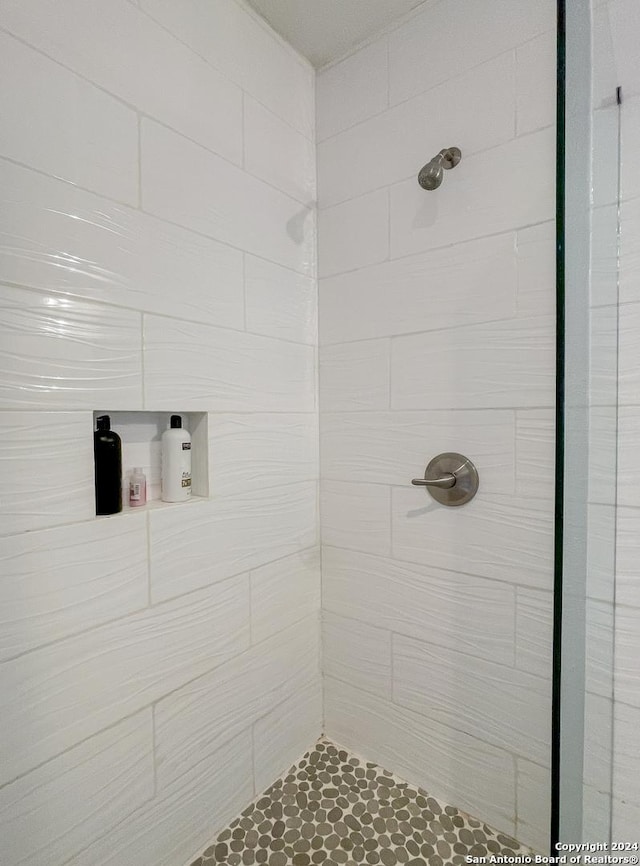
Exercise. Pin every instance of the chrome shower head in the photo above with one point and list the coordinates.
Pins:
(431, 174)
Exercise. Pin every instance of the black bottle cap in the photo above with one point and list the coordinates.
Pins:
(176, 421)
(103, 422)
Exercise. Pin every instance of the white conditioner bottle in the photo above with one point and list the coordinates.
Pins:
(176, 462)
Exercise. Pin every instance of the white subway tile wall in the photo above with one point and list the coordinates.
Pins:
(47, 469)
(277, 153)
(357, 653)
(95, 572)
(356, 515)
(82, 684)
(464, 284)
(216, 369)
(437, 333)
(261, 449)
(230, 535)
(67, 353)
(180, 816)
(247, 51)
(385, 447)
(56, 809)
(157, 248)
(476, 204)
(534, 627)
(201, 716)
(467, 769)
(437, 682)
(392, 145)
(418, 601)
(355, 376)
(534, 803)
(283, 592)
(353, 90)
(81, 245)
(450, 39)
(280, 302)
(186, 184)
(354, 234)
(286, 729)
(61, 124)
(535, 78)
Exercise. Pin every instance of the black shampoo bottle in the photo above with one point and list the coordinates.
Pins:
(107, 451)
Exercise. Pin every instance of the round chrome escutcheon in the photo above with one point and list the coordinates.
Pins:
(451, 479)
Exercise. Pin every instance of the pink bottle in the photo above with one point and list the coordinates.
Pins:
(137, 488)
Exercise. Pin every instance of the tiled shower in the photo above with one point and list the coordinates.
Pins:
(193, 219)
(437, 333)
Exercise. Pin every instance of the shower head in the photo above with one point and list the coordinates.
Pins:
(431, 174)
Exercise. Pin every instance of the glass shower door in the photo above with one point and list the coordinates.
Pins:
(585, 612)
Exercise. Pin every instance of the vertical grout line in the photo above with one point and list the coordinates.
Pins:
(388, 46)
(208, 449)
(243, 126)
(515, 795)
(515, 627)
(154, 747)
(518, 295)
(319, 514)
(316, 386)
(515, 93)
(148, 531)
(142, 366)
(391, 545)
(244, 290)
(139, 160)
(392, 670)
(318, 408)
(318, 532)
(250, 578)
(253, 759)
(516, 450)
(389, 373)
(388, 223)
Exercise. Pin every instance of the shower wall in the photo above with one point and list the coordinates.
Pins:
(437, 318)
(157, 252)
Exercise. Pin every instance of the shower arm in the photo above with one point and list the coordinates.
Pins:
(443, 159)
(449, 157)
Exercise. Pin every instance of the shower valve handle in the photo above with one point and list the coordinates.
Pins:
(444, 483)
(450, 478)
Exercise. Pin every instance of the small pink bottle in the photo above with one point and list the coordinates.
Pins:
(137, 488)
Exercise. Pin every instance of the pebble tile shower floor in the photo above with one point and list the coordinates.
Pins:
(332, 807)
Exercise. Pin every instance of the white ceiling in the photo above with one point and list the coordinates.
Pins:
(323, 30)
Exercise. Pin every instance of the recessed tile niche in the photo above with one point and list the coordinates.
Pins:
(141, 435)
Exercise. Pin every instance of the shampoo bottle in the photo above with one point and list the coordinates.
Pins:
(107, 452)
(137, 488)
(176, 462)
